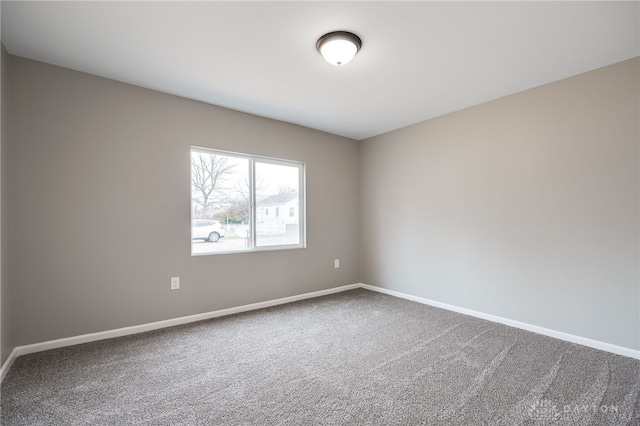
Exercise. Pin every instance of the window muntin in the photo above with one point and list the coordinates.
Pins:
(246, 195)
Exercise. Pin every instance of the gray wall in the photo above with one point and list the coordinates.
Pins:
(6, 323)
(6, 332)
(525, 207)
(99, 206)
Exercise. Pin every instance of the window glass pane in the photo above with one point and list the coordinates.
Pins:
(220, 206)
(241, 203)
(277, 186)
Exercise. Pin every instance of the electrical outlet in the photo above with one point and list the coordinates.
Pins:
(336, 263)
(175, 283)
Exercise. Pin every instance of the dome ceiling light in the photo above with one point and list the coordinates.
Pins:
(338, 47)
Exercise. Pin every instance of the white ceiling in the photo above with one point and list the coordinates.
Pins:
(419, 60)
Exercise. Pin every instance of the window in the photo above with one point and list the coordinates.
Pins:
(231, 198)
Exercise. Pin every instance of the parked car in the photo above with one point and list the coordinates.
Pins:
(208, 230)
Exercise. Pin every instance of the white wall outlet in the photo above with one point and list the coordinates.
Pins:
(175, 283)
(336, 263)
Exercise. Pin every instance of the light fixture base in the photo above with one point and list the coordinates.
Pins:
(338, 47)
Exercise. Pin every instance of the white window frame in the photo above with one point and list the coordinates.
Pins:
(252, 159)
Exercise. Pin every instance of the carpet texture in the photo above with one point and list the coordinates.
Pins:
(353, 358)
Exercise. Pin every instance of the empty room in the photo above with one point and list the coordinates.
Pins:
(319, 213)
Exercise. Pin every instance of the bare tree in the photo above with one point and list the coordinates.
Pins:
(239, 206)
(208, 173)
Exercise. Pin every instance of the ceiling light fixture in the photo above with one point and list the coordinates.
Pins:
(338, 47)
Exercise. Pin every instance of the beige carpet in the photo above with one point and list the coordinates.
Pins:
(354, 358)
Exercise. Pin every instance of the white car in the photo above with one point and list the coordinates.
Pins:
(208, 230)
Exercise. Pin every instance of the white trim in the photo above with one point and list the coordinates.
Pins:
(125, 331)
(7, 364)
(596, 344)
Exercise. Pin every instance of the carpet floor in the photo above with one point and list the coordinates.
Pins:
(353, 358)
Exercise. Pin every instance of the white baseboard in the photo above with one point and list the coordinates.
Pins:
(125, 331)
(608, 347)
(92, 337)
(7, 364)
